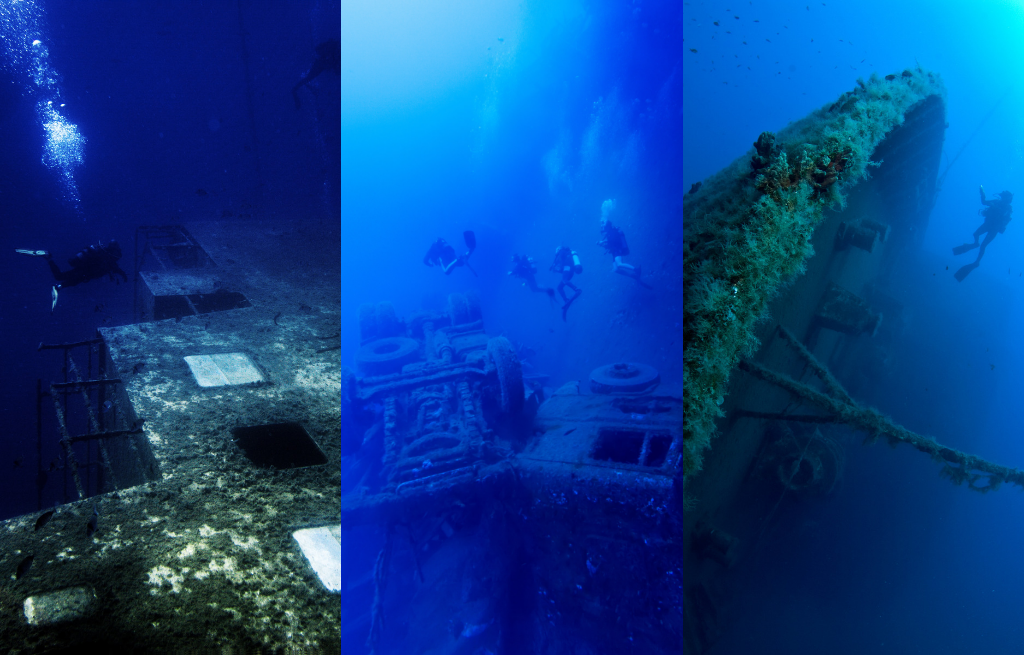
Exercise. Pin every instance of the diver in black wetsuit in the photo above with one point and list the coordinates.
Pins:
(442, 254)
(613, 240)
(525, 269)
(90, 263)
(567, 263)
(328, 58)
(997, 213)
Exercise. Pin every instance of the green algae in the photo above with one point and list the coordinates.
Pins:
(747, 232)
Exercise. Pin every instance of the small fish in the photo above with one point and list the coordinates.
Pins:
(201, 192)
(107, 406)
(43, 519)
(17, 462)
(91, 526)
(716, 23)
(23, 567)
(993, 366)
(693, 49)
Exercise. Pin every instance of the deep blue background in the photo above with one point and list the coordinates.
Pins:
(516, 120)
(160, 93)
(898, 560)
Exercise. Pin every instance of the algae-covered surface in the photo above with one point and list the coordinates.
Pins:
(748, 231)
(202, 559)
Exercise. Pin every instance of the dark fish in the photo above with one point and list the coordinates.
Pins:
(43, 519)
(90, 527)
(23, 568)
(693, 49)
(17, 463)
(227, 213)
(716, 22)
(201, 192)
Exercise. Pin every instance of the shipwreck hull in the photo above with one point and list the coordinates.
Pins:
(785, 234)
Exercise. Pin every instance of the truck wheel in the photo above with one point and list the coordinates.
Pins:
(624, 378)
(510, 374)
(388, 355)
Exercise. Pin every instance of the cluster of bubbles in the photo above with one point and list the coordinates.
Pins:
(26, 56)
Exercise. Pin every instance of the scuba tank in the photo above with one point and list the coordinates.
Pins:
(577, 267)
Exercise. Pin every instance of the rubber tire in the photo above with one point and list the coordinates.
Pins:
(473, 304)
(624, 377)
(510, 375)
(388, 355)
(458, 309)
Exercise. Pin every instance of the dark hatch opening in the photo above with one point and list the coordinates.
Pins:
(278, 445)
(616, 445)
(658, 449)
(219, 301)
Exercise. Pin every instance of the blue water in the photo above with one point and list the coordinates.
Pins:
(898, 560)
(115, 115)
(518, 121)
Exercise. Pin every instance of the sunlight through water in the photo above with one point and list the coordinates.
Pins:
(27, 57)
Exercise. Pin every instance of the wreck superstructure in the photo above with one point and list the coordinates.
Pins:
(515, 517)
(201, 449)
(789, 253)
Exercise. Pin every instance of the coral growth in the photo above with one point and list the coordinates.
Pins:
(748, 230)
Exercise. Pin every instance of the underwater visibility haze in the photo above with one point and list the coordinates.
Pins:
(169, 179)
(511, 234)
(575, 326)
(851, 231)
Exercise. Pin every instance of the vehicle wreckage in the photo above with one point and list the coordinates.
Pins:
(512, 515)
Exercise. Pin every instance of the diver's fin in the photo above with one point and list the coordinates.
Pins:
(959, 250)
(470, 240)
(33, 253)
(964, 271)
(54, 295)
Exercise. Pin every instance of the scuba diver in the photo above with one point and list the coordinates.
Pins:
(525, 269)
(613, 240)
(89, 264)
(328, 57)
(567, 263)
(442, 254)
(997, 216)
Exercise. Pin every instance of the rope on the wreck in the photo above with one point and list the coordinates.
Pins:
(942, 177)
(956, 465)
(380, 581)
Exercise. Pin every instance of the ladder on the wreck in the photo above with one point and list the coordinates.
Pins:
(94, 389)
